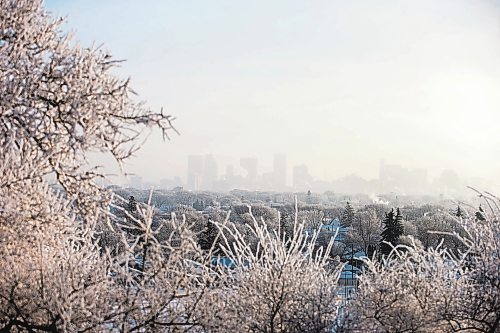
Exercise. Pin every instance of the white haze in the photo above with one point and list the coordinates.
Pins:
(336, 85)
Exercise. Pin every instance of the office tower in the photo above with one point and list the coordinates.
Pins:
(210, 173)
(195, 172)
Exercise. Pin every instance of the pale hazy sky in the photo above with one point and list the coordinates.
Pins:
(336, 85)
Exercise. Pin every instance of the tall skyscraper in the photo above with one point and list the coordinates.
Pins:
(195, 172)
(210, 173)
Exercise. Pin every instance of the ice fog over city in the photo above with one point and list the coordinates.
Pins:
(204, 174)
(266, 166)
(339, 86)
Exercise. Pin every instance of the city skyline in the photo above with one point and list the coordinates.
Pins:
(204, 173)
(336, 85)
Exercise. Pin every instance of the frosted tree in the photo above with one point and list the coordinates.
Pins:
(282, 286)
(132, 204)
(348, 215)
(209, 235)
(365, 232)
(480, 214)
(391, 232)
(264, 213)
(444, 223)
(434, 290)
(60, 102)
(312, 219)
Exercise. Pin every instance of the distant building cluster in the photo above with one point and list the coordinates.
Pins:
(203, 174)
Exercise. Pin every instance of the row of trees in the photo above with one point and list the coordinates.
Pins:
(371, 229)
(434, 290)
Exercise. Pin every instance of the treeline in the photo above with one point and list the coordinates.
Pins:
(365, 229)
